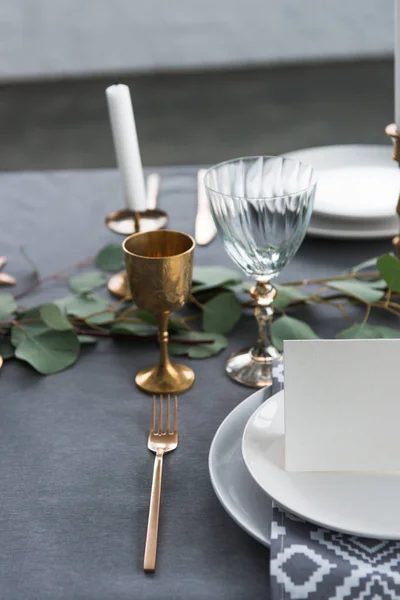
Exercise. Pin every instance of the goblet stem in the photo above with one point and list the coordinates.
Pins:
(162, 320)
(165, 377)
(264, 293)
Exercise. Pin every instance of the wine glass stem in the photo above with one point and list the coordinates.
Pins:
(264, 293)
(264, 316)
(162, 320)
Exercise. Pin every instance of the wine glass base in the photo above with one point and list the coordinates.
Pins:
(245, 369)
(118, 286)
(174, 379)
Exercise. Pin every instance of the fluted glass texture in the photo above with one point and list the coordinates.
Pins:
(262, 207)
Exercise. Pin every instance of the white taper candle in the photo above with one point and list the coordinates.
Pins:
(126, 146)
(397, 63)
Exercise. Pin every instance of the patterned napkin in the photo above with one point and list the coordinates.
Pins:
(308, 561)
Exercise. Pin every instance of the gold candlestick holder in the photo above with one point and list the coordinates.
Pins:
(5, 278)
(127, 222)
(392, 131)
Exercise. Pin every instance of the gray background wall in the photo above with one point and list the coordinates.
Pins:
(45, 38)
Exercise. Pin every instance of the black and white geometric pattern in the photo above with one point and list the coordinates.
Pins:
(308, 561)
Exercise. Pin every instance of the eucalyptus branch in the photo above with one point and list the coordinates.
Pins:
(122, 315)
(54, 276)
(339, 306)
(367, 313)
(51, 339)
(129, 336)
(307, 282)
(194, 301)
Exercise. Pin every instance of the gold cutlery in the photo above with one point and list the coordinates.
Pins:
(163, 438)
(205, 230)
(159, 266)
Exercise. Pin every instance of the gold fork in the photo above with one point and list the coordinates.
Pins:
(161, 440)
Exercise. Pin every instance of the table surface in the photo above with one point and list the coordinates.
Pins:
(75, 474)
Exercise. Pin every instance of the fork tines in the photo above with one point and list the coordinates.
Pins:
(164, 428)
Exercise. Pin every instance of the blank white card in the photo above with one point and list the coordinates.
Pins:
(342, 405)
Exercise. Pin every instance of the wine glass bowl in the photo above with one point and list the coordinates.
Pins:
(262, 206)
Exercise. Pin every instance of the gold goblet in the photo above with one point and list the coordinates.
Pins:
(159, 266)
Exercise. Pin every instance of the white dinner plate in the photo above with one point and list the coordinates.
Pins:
(238, 493)
(354, 181)
(332, 228)
(364, 504)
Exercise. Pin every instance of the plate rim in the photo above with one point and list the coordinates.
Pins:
(327, 524)
(248, 529)
(341, 234)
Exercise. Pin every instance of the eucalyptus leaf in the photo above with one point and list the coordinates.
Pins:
(54, 317)
(366, 264)
(363, 331)
(30, 313)
(178, 349)
(239, 288)
(140, 329)
(199, 350)
(287, 294)
(83, 305)
(289, 328)
(103, 318)
(87, 339)
(6, 348)
(49, 352)
(149, 318)
(379, 284)
(362, 290)
(110, 258)
(206, 278)
(7, 306)
(30, 325)
(87, 282)
(221, 313)
(389, 267)
(146, 316)
(63, 302)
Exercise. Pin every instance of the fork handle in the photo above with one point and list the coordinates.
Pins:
(150, 551)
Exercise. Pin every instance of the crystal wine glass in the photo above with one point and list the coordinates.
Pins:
(262, 207)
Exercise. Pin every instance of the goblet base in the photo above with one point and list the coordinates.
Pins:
(173, 379)
(247, 370)
(118, 285)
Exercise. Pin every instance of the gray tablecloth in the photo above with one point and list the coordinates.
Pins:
(75, 474)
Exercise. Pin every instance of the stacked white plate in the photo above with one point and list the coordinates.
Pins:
(357, 191)
(246, 464)
(238, 493)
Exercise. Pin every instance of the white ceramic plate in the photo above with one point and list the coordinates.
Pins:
(238, 493)
(331, 228)
(364, 504)
(354, 181)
